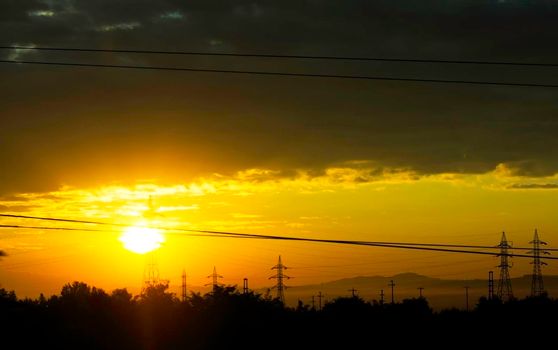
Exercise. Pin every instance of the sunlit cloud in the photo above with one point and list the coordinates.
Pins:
(41, 13)
(178, 208)
(245, 216)
(119, 26)
(218, 190)
(172, 15)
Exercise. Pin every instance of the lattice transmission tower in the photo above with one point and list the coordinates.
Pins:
(214, 279)
(184, 287)
(279, 277)
(505, 292)
(537, 285)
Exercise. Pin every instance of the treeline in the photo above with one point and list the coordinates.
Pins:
(85, 317)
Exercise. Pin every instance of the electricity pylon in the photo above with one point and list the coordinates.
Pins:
(151, 273)
(184, 290)
(280, 276)
(320, 296)
(505, 292)
(537, 286)
(391, 284)
(214, 279)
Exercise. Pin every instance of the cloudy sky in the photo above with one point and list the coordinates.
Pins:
(324, 157)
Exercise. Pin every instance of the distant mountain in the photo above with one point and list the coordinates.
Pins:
(440, 293)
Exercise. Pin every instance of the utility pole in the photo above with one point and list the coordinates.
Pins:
(504, 283)
(420, 289)
(353, 292)
(184, 290)
(490, 285)
(537, 285)
(382, 297)
(313, 303)
(214, 279)
(280, 276)
(392, 284)
(467, 298)
(245, 286)
(320, 296)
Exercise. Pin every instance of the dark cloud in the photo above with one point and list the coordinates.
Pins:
(408, 28)
(72, 126)
(17, 11)
(549, 186)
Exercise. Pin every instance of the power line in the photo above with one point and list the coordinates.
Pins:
(56, 228)
(281, 74)
(277, 56)
(247, 235)
(61, 220)
(298, 239)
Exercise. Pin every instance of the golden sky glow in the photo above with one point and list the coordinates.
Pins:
(392, 206)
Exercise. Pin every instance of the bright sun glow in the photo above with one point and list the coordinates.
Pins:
(141, 240)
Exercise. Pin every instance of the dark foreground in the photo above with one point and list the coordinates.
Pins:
(84, 317)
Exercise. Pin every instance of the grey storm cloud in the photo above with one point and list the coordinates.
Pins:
(61, 124)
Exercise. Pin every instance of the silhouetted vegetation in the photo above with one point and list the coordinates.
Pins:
(85, 317)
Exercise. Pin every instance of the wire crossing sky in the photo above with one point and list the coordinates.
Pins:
(283, 74)
(254, 55)
(401, 245)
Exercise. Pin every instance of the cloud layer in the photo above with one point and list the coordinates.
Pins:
(93, 126)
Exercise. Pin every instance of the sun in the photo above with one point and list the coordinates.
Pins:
(141, 240)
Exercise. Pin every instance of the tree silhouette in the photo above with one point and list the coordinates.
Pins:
(86, 317)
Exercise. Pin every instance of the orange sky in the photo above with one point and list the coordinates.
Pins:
(394, 206)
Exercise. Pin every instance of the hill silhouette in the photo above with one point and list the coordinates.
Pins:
(441, 293)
